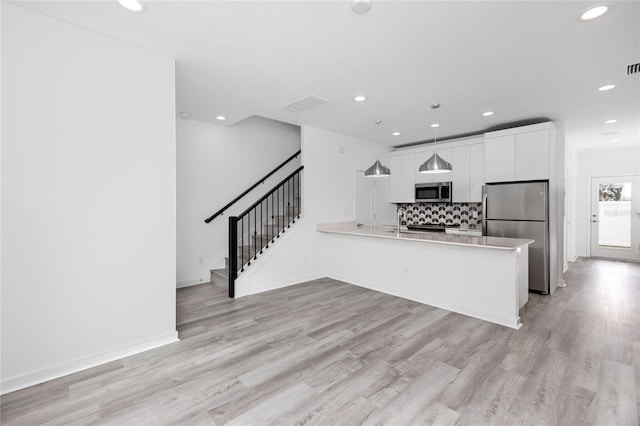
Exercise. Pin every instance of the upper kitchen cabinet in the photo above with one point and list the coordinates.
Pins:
(476, 171)
(421, 157)
(403, 178)
(532, 155)
(518, 154)
(460, 174)
(466, 157)
(467, 176)
(499, 153)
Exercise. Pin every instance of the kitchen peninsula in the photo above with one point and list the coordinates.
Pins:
(483, 277)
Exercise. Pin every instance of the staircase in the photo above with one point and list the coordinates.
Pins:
(260, 242)
(258, 227)
(221, 276)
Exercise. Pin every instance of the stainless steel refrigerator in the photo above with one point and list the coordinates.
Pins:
(521, 210)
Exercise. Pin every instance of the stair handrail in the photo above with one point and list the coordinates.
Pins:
(271, 191)
(252, 187)
(288, 184)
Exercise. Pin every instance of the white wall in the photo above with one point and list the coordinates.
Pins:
(588, 164)
(214, 165)
(329, 160)
(88, 199)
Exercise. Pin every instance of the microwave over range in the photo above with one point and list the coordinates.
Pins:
(437, 192)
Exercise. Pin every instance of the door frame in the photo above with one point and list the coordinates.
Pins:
(590, 206)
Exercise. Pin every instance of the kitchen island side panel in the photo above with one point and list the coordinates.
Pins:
(479, 282)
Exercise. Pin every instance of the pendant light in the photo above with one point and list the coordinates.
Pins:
(377, 169)
(435, 164)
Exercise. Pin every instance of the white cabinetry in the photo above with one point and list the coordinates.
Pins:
(517, 154)
(466, 157)
(402, 178)
(468, 172)
(460, 174)
(421, 157)
(499, 153)
(532, 155)
(476, 172)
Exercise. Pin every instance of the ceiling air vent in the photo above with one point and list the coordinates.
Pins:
(305, 104)
(633, 69)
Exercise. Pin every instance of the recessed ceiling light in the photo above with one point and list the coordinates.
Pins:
(185, 115)
(396, 133)
(360, 98)
(360, 6)
(435, 125)
(435, 106)
(610, 121)
(487, 114)
(595, 12)
(615, 140)
(221, 118)
(606, 87)
(132, 5)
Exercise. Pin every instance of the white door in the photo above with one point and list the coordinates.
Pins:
(364, 207)
(615, 217)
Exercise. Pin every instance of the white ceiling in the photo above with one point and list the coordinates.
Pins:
(521, 59)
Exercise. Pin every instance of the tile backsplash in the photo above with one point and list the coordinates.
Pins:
(464, 214)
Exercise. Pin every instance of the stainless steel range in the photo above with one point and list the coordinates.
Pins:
(431, 227)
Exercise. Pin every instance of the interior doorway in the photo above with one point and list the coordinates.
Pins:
(615, 217)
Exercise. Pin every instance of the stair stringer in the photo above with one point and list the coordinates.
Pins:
(293, 259)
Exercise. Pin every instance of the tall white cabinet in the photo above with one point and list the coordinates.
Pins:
(529, 153)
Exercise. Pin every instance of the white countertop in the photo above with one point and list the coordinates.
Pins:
(350, 228)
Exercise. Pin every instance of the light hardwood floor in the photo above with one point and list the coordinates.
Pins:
(330, 353)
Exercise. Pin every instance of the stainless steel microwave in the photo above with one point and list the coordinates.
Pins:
(437, 192)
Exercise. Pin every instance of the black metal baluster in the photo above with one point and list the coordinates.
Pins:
(241, 242)
(299, 195)
(294, 199)
(271, 221)
(261, 246)
(288, 203)
(233, 254)
(300, 189)
(277, 218)
(266, 221)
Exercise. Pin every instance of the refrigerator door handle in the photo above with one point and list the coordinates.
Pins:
(485, 200)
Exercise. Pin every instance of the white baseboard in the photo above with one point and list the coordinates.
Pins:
(60, 370)
(240, 292)
(435, 302)
(190, 283)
